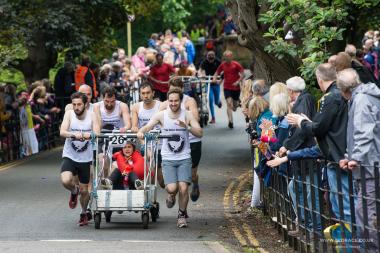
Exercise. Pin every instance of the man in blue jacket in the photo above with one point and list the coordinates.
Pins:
(190, 49)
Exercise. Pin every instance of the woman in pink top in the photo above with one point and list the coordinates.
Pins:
(138, 62)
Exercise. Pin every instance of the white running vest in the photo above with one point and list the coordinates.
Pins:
(145, 115)
(79, 151)
(91, 108)
(111, 120)
(192, 138)
(178, 146)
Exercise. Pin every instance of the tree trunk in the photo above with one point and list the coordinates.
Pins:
(39, 61)
(245, 15)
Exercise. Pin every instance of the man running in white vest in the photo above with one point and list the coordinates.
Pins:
(142, 112)
(176, 159)
(114, 115)
(87, 90)
(77, 127)
(189, 104)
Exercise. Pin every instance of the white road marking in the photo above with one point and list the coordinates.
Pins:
(62, 240)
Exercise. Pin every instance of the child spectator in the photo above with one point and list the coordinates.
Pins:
(129, 171)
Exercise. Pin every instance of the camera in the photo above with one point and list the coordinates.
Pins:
(251, 130)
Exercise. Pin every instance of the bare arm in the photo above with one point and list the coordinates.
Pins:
(95, 123)
(125, 115)
(135, 118)
(195, 128)
(64, 132)
(191, 105)
(163, 105)
(150, 77)
(156, 119)
(241, 77)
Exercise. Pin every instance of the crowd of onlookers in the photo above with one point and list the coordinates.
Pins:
(28, 120)
(317, 154)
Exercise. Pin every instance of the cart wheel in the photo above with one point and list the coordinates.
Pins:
(145, 220)
(206, 120)
(201, 121)
(97, 220)
(155, 212)
(158, 210)
(108, 215)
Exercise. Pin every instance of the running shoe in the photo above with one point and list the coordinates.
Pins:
(74, 198)
(194, 195)
(139, 185)
(170, 201)
(181, 221)
(83, 220)
(89, 214)
(212, 121)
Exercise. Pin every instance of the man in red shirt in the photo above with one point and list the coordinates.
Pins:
(233, 75)
(159, 76)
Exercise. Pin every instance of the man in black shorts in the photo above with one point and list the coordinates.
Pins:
(78, 126)
(233, 75)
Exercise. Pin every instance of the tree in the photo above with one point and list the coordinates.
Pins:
(319, 29)
(44, 28)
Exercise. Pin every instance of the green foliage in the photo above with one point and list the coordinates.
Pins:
(200, 9)
(97, 27)
(175, 12)
(54, 26)
(14, 77)
(316, 26)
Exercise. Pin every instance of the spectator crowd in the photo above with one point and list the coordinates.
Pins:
(316, 165)
(29, 119)
(320, 159)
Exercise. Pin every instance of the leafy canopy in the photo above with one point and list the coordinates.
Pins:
(316, 26)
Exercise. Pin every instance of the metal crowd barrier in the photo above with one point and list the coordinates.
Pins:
(352, 224)
(11, 143)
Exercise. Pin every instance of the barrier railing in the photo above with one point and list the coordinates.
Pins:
(15, 142)
(323, 208)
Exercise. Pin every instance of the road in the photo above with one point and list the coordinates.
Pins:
(35, 216)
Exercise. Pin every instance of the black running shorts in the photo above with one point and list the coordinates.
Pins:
(80, 169)
(234, 94)
(196, 153)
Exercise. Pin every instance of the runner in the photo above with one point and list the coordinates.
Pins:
(142, 112)
(85, 89)
(176, 158)
(233, 75)
(208, 67)
(114, 115)
(77, 127)
(159, 76)
(189, 104)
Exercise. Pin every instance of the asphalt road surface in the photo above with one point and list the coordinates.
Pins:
(35, 217)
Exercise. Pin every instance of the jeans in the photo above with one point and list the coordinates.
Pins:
(315, 208)
(334, 197)
(371, 240)
(214, 98)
